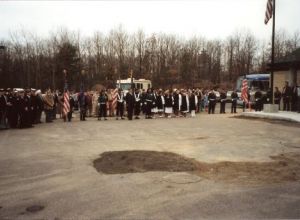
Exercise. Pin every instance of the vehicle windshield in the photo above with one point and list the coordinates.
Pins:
(256, 84)
(263, 85)
(125, 86)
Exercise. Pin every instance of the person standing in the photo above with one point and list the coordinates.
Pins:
(294, 97)
(169, 101)
(298, 95)
(82, 103)
(286, 95)
(137, 104)
(277, 97)
(33, 106)
(212, 102)
(193, 101)
(223, 99)
(234, 98)
(12, 114)
(160, 103)
(3, 109)
(149, 102)
(23, 108)
(71, 103)
(177, 102)
(120, 104)
(48, 105)
(185, 105)
(102, 100)
(129, 104)
(154, 109)
(54, 109)
(40, 106)
(258, 100)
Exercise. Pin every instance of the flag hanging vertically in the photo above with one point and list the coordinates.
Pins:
(244, 94)
(66, 107)
(269, 11)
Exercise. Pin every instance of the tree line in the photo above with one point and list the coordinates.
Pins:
(28, 60)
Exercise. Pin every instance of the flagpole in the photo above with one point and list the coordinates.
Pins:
(272, 56)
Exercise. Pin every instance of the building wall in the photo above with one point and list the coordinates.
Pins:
(280, 77)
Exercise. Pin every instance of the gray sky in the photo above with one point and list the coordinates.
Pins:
(208, 18)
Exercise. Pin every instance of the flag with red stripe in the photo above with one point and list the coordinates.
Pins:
(66, 107)
(114, 97)
(269, 11)
(244, 94)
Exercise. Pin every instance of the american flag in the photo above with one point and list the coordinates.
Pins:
(269, 11)
(114, 97)
(66, 107)
(244, 95)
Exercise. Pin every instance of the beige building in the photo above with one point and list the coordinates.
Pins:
(287, 69)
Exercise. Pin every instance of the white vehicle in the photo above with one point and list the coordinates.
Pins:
(125, 84)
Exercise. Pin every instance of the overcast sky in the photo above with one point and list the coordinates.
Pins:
(209, 18)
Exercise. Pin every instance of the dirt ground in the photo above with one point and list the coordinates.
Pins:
(216, 167)
(283, 168)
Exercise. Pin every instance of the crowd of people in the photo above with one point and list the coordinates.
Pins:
(22, 108)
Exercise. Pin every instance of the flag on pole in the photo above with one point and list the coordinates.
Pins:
(66, 107)
(269, 11)
(244, 94)
(114, 98)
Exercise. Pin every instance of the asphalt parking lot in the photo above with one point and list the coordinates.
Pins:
(47, 172)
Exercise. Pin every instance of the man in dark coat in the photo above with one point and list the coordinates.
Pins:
(277, 97)
(258, 100)
(212, 98)
(234, 98)
(33, 106)
(12, 114)
(83, 104)
(71, 103)
(3, 109)
(286, 95)
(177, 99)
(294, 97)
(223, 99)
(298, 95)
(129, 104)
(102, 100)
(149, 103)
(24, 110)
